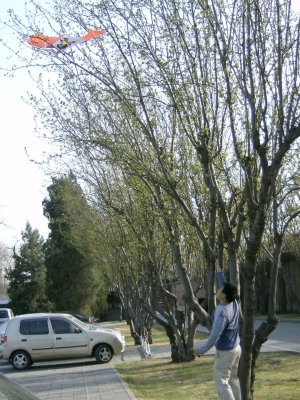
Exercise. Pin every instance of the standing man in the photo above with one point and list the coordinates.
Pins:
(225, 337)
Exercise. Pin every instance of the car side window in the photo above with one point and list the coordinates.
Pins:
(34, 327)
(60, 325)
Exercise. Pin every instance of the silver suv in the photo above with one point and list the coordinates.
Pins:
(53, 336)
(5, 314)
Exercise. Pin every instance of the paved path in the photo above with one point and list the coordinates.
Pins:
(77, 380)
(87, 380)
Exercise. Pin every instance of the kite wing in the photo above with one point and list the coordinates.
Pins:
(93, 34)
(62, 42)
(40, 40)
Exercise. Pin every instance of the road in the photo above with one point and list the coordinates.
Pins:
(286, 336)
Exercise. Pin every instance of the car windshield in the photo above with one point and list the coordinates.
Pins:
(4, 314)
(83, 324)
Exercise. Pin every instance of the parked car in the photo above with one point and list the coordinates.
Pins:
(5, 315)
(53, 336)
(2, 334)
(83, 318)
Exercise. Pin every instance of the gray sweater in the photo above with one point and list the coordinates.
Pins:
(225, 330)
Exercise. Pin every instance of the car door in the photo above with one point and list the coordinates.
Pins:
(35, 337)
(70, 340)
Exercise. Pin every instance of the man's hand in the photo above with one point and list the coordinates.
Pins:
(218, 268)
(197, 353)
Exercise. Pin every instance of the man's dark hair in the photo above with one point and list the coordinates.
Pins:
(230, 292)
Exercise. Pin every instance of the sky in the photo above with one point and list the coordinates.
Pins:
(23, 184)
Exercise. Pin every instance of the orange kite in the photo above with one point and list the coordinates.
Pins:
(62, 42)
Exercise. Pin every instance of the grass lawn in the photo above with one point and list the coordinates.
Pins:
(158, 334)
(277, 375)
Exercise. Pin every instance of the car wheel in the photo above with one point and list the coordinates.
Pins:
(103, 353)
(20, 360)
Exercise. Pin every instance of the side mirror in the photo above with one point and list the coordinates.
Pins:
(77, 330)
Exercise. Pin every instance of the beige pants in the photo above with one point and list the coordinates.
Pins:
(226, 374)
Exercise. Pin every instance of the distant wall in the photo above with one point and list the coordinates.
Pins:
(288, 293)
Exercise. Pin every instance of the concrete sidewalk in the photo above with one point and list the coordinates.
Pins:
(80, 380)
(77, 380)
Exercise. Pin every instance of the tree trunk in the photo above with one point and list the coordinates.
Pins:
(261, 336)
(133, 333)
(247, 339)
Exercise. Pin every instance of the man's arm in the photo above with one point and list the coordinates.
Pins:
(218, 327)
(220, 275)
(218, 324)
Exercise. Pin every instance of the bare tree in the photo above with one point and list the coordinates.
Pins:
(201, 102)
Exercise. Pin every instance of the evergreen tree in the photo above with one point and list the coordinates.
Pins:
(72, 274)
(27, 279)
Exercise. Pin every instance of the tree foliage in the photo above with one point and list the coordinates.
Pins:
(27, 278)
(73, 278)
(197, 105)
